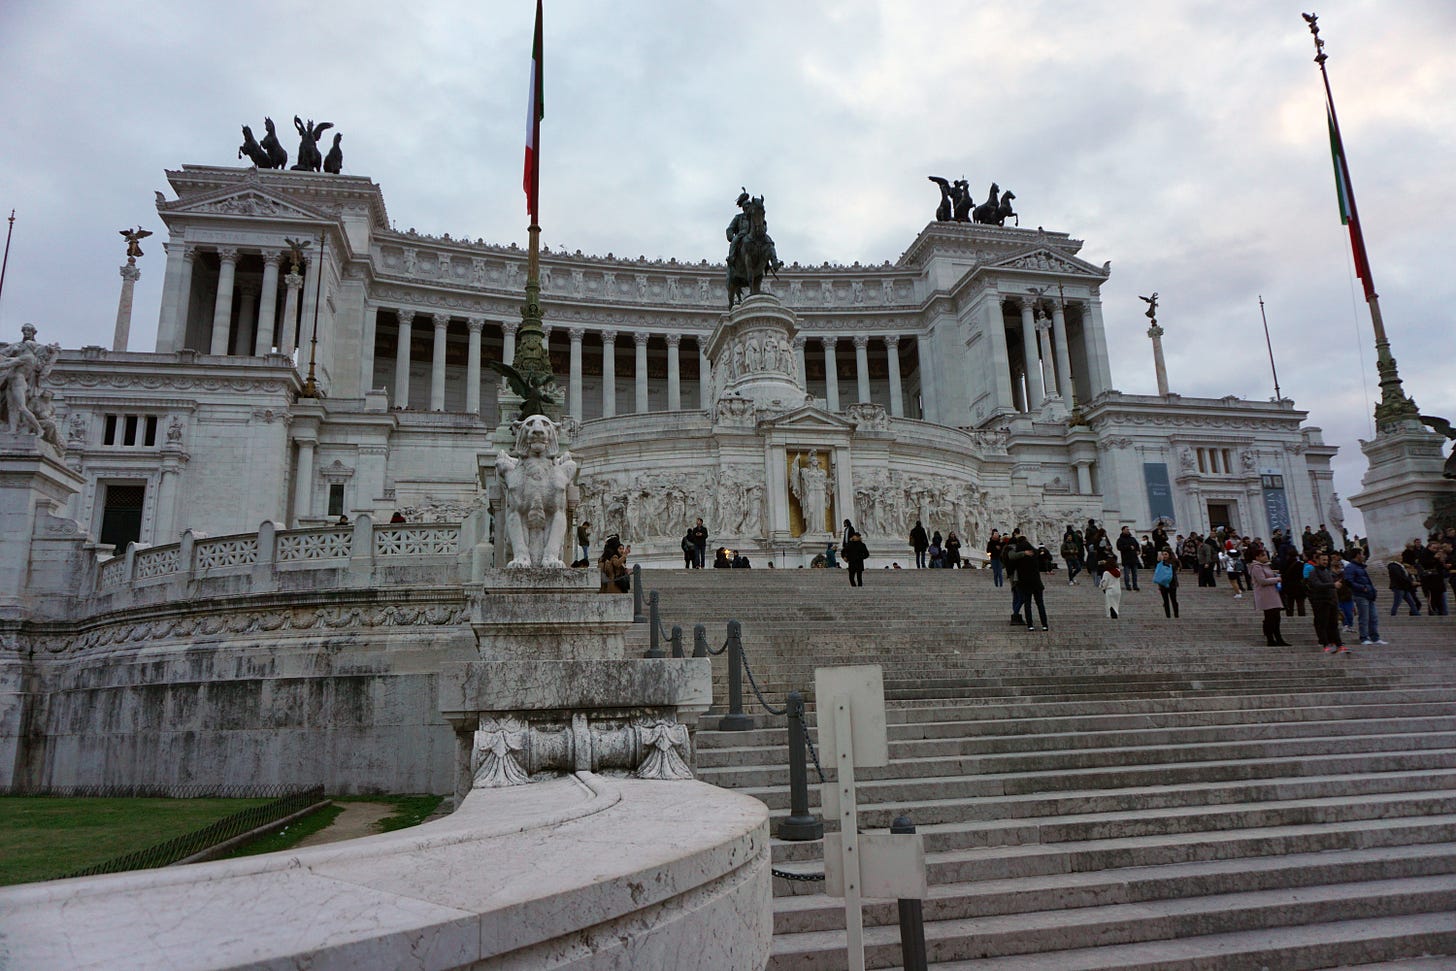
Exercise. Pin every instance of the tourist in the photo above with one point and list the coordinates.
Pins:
(1207, 555)
(919, 542)
(846, 532)
(993, 553)
(1229, 561)
(1110, 583)
(1165, 578)
(1346, 600)
(342, 521)
(700, 544)
(1023, 558)
(935, 552)
(1364, 596)
(855, 553)
(1291, 579)
(1149, 553)
(1072, 554)
(1402, 588)
(616, 578)
(1267, 598)
(583, 539)
(689, 551)
(1323, 587)
(721, 560)
(398, 517)
(1129, 551)
(952, 550)
(1008, 547)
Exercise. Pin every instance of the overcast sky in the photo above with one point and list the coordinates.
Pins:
(1185, 142)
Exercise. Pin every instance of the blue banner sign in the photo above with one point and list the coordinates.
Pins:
(1276, 503)
(1160, 491)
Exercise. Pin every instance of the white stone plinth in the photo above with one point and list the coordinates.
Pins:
(1400, 486)
(548, 614)
(752, 350)
(33, 482)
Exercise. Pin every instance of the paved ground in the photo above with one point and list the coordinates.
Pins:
(358, 819)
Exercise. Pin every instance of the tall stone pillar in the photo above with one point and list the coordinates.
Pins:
(309, 330)
(609, 373)
(247, 316)
(129, 276)
(222, 308)
(1066, 385)
(1159, 367)
(674, 374)
(831, 375)
(927, 379)
(437, 363)
(573, 385)
(176, 296)
(268, 303)
(641, 338)
(1044, 350)
(367, 336)
(1034, 390)
(801, 371)
(472, 365)
(292, 284)
(508, 342)
(1084, 478)
(705, 373)
(303, 483)
(897, 393)
(862, 367)
(1095, 340)
(402, 359)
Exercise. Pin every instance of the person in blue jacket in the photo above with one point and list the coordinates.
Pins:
(1358, 579)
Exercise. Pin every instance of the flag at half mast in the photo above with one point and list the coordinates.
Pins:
(535, 111)
(1349, 216)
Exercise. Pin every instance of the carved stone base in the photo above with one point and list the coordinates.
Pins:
(553, 614)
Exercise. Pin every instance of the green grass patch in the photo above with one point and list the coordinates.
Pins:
(290, 835)
(42, 838)
(410, 811)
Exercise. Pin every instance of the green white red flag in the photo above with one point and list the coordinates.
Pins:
(535, 111)
(1346, 194)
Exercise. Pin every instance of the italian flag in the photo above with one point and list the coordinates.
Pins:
(1346, 194)
(535, 111)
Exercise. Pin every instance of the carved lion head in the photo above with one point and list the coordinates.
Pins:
(533, 431)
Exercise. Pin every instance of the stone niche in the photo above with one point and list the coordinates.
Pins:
(554, 692)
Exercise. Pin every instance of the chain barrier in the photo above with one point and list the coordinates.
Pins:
(797, 877)
(719, 650)
(754, 684)
(813, 754)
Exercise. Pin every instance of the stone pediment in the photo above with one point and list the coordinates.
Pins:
(807, 418)
(1043, 259)
(245, 200)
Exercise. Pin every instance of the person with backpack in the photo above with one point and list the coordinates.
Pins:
(855, 553)
(1165, 578)
(919, 542)
(1072, 552)
(1402, 588)
(690, 551)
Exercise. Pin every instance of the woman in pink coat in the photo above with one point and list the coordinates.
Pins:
(1266, 597)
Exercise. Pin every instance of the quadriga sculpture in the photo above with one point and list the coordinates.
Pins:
(533, 487)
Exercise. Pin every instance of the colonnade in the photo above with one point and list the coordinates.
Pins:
(257, 301)
(1046, 354)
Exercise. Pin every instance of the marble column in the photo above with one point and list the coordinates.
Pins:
(897, 394)
(862, 367)
(369, 331)
(308, 331)
(927, 379)
(705, 375)
(247, 315)
(129, 276)
(402, 359)
(1033, 360)
(176, 297)
(292, 284)
(437, 362)
(1064, 358)
(831, 375)
(674, 374)
(1095, 341)
(268, 303)
(609, 374)
(640, 338)
(1160, 368)
(163, 531)
(508, 341)
(993, 331)
(1084, 478)
(799, 362)
(472, 365)
(303, 483)
(573, 383)
(222, 308)
(1044, 350)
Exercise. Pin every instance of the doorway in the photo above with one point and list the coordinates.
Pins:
(1220, 514)
(121, 514)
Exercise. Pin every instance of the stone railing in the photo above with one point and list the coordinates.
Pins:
(271, 558)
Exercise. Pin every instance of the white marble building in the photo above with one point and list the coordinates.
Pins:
(939, 387)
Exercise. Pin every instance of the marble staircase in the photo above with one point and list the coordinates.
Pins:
(1134, 794)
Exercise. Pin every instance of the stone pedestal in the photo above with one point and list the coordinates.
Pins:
(34, 486)
(555, 693)
(1399, 489)
(752, 350)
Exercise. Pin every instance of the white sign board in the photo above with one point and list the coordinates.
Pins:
(891, 865)
(863, 687)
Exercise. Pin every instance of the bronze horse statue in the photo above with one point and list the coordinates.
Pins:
(997, 208)
(754, 255)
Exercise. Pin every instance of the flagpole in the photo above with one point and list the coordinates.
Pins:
(1269, 344)
(1394, 407)
(532, 360)
(6, 261)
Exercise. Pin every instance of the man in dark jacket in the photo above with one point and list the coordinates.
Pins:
(1291, 581)
(919, 542)
(1130, 553)
(1358, 579)
(699, 534)
(1402, 588)
(1026, 561)
(1324, 593)
(855, 553)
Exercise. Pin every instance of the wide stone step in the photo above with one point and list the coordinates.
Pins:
(1065, 929)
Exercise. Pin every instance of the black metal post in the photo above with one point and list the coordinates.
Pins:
(912, 919)
(676, 641)
(801, 824)
(637, 615)
(700, 641)
(735, 720)
(654, 623)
